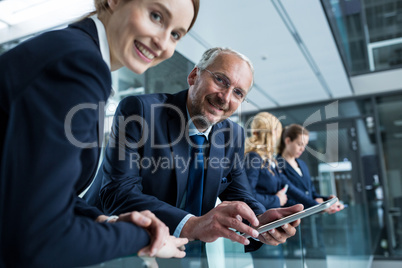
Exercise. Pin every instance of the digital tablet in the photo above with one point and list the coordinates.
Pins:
(298, 215)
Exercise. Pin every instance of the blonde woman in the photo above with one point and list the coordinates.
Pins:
(51, 92)
(269, 185)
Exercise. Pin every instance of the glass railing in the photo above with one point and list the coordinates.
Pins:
(337, 240)
(323, 240)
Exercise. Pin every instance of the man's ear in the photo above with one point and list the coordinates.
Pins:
(192, 76)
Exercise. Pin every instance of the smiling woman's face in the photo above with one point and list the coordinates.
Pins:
(143, 33)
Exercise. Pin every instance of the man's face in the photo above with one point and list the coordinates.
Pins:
(212, 102)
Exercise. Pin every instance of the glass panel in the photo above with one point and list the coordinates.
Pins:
(390, 116)
(337, 172)
(335, 240)
(367, 33)
(387, 56)
(322, 241)
(371, 182)
(346, 20)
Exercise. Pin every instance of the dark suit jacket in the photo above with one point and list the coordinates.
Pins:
(153, 175)
(43, 223)
(303, 183)
(265, 184)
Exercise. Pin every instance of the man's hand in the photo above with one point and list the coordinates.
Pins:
(319, 200)
(279, 235)
(157, 230)
(216, 223)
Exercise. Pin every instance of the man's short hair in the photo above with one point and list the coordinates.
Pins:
(210, 55)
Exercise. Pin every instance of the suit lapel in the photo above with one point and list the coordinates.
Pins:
(178, 136)
(213, 175)
(294, 174)
(305, 179)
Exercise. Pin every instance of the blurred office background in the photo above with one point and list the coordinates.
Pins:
(334, 66)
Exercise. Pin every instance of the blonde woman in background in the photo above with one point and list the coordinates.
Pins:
(267, 181)
(268, 184)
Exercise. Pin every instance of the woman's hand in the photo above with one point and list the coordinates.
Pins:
(283, 198)
(338, 206)
(172, 248)
(156, 229)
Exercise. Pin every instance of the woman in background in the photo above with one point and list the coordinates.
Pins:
(293, 142)
(52, 90)
(268, 184)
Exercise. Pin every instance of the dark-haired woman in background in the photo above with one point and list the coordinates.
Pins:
(293, 141)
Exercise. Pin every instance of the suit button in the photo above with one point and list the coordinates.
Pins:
(306, 192)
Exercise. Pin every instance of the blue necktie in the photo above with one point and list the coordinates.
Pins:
(195, 183)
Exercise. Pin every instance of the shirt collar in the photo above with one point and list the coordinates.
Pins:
(192, 129)
(103, 43)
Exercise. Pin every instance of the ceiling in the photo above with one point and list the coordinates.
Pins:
(289, 41)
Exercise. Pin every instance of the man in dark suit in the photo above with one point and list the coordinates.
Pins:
(147, 160)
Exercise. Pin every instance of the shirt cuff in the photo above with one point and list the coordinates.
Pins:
(181, 224)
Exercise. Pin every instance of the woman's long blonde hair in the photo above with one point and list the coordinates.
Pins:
(261, 140)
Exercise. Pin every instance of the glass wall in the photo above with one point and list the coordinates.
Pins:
(354, 152)
(367, 33)
(390, 128)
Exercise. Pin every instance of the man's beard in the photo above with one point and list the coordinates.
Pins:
(199, 118)
(202, 122)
